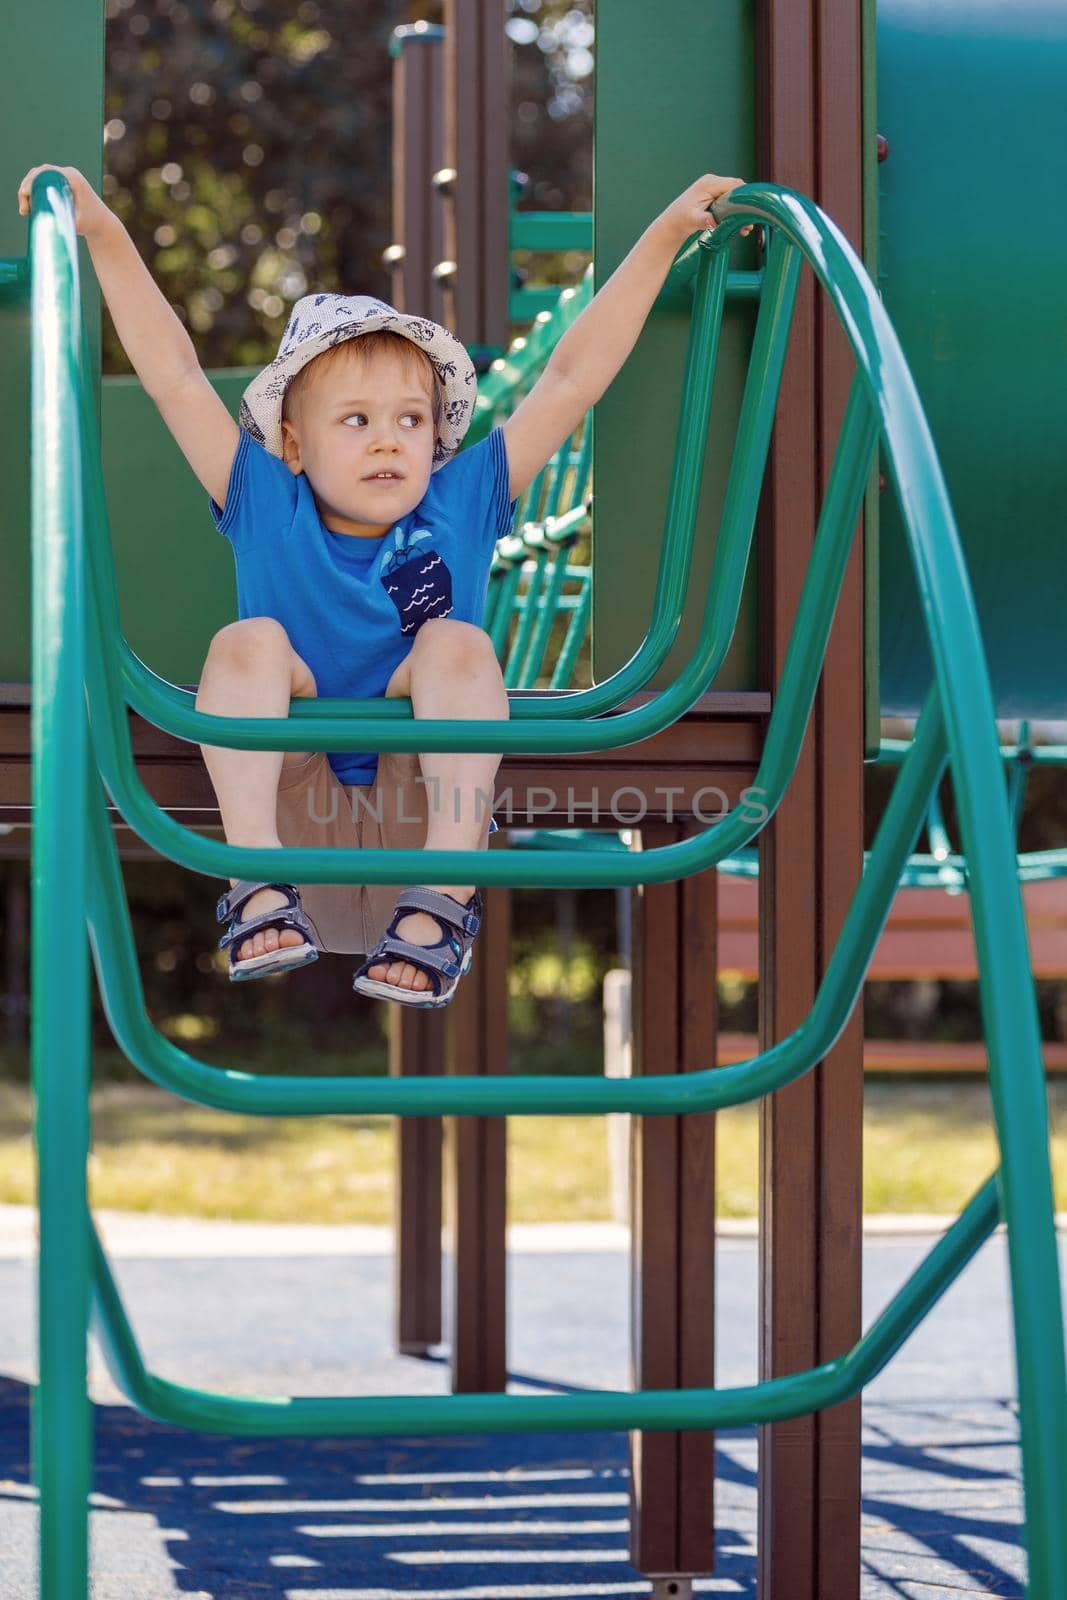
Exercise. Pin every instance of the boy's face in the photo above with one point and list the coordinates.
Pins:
(363, 435)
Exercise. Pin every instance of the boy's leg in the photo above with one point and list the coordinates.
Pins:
(252, 671)
(452, 673)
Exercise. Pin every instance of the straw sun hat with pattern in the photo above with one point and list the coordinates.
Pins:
(320, 321)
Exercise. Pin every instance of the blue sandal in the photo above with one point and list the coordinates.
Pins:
(444, 963)
(292, 917)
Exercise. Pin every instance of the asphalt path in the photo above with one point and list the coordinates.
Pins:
(251, 1310)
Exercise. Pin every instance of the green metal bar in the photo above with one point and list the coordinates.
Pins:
(1006, 988)
(538, 644)
(162, 1061)
(563, 461)
(665, 863)
(570, 522)
(14, 278)
(507, 584)
(572, 642)
(937, 833)
(551, 230)
(525, 304)
(492, 598)
(1018, 778)
(1009, 1012)
(564, 602)
(1016, 1072)
(1051, 755)
(663, 1094)
(552, 604)
(526, 357)
(173, 709)
(413, 33)
(949, 870)
(62, 1423)
(773, 1400)
(527, 509)
(568, 839)
(925, 871)
(739, 286)
(537, 298)
(535, 584)
(122, 775)
(701, 361)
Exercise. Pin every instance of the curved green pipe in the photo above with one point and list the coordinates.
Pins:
(666, 863)
(668, 1093)
(364, 723)
(1009, 1012)
(773, 1400)
(59, 1036)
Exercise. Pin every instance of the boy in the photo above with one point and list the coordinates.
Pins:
(362, 543)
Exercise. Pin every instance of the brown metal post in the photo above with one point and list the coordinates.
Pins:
(416, 1049)
(808, 66)
(417, 1039)
(476, 151)
(673, 1208)
(418, 153)
(16, 986)
(470, 281)
(478, 1042)
(840, 735)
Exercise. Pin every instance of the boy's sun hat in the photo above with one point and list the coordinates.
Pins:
(320, 321)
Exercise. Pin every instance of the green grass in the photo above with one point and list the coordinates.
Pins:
(928, 1144)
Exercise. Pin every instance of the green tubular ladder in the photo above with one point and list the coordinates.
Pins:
(940, 866)
(85, 676)
(530, 568)
(538, 554)
(522, 651)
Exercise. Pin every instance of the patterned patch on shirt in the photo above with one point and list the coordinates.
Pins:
(417, 580)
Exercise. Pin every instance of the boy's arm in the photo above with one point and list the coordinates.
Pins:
(597, 343)
(160, 350)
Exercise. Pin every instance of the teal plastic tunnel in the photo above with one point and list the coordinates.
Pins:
(972, 264)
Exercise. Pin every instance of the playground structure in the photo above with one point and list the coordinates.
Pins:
(814, 946)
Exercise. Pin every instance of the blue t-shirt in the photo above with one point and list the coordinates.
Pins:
(352, 606)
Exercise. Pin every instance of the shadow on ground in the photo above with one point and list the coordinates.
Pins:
(509, 1517)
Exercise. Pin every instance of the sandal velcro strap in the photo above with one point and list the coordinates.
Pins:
(285, 918)
(465, 919)
(431, 958)
(235, 898)
(443, 963)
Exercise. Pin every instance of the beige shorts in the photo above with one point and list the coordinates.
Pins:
(316, 811)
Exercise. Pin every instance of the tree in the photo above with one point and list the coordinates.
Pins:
(248, 149)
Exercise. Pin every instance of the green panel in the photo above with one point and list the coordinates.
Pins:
(175, 570)
(972, 257)
(51, 109)
(696, 115)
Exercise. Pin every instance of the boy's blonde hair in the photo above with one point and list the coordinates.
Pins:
(379, 343)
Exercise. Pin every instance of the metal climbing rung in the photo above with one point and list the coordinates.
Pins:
(85, 676)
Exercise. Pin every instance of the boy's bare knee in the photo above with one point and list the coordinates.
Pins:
(253, 646)
(458, 641)
(249, 640)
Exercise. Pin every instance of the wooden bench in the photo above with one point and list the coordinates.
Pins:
(928, 935)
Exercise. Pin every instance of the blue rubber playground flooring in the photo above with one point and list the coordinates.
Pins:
(504, 1517)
